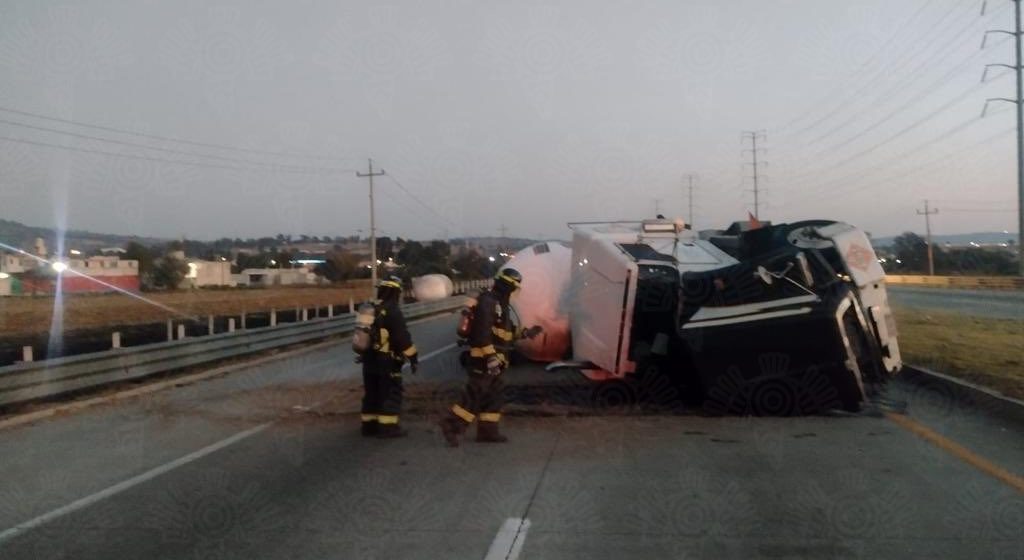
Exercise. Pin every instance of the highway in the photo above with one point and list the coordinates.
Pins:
(983, 303)
(266, 462)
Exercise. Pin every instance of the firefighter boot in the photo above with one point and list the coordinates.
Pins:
(487, 432)
(452, 427)
(390, 431)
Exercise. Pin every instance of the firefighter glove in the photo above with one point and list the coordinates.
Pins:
(493, 365)
(533, 331)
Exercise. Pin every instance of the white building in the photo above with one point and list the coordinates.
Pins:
(208, 273)
(264, 277)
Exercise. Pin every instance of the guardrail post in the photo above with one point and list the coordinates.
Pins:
(273, 317)
(26, 353)
(297, 316)
(115, 339)
(170, 330)
(209, 324)
(231, 324)
(351, 306)
(181, 331)
(242, 322)
(305, 314)
(330, 310)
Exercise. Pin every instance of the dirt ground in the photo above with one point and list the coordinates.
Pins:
(985, 351)
(33, 315)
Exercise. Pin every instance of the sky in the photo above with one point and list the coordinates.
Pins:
(526, 114)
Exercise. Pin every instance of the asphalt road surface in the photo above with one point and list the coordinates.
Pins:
(267, 462)
(983, 303)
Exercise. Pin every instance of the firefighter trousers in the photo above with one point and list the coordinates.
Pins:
(482, 398)
(382, 389)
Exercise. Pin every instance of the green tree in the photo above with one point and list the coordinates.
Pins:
(169, 272)
(912, 251)
(340, 265)
(135, 251)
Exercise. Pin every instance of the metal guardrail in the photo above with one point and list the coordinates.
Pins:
(962, 282)
(32, 381)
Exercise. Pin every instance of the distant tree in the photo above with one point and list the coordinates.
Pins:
(168, 272)
(340, 265)
(912, 252)
(385, 248)
(471, 265)
(135, 251)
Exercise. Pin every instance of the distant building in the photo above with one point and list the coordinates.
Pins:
(208, 273)
(266, 277)
(98, 274)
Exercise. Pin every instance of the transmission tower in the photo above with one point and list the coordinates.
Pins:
(689, 198)
(753, 136)
(1019, 101)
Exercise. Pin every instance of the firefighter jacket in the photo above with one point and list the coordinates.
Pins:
(493, 330)
(391, 334)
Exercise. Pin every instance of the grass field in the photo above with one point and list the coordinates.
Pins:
(985, 351)
(33, 315)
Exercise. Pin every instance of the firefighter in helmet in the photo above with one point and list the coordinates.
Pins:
(491, 334)
(390, 347)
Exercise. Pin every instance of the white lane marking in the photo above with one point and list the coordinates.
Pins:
(442, 350)
(508, 543)
(150, 474)
(429, 355)
(128, 484)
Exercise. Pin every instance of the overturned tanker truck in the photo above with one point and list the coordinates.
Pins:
(776, 319)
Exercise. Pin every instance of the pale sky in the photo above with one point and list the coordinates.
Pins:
(531, 114)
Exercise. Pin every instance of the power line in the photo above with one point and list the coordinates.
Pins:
(867, 63)
(311, 171)
(895, 69)
(907, 79)
(923, 94)
(171, 151)
(833, 194)
(420, 202)
(170, 138)
(981, 210)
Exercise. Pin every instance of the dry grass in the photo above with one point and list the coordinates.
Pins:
(981, 350)
(32, 315)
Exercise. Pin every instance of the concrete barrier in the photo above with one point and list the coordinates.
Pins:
(962, 282)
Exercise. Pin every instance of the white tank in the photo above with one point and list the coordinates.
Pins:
(431, 287)
(542, 300)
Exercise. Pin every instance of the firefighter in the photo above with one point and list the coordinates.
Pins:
(491, 334)
(391, 347)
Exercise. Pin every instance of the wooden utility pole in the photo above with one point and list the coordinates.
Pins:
(373, 223)
(928, 213)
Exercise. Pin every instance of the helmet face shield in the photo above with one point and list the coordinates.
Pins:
(393, 282)
(511, 277)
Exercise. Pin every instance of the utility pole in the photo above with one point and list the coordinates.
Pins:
(754, 136)
(689, 195)
(1019, 101)
(928, 232)
(373, 223)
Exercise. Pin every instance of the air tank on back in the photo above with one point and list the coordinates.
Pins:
(432, 287)
(547, 270)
